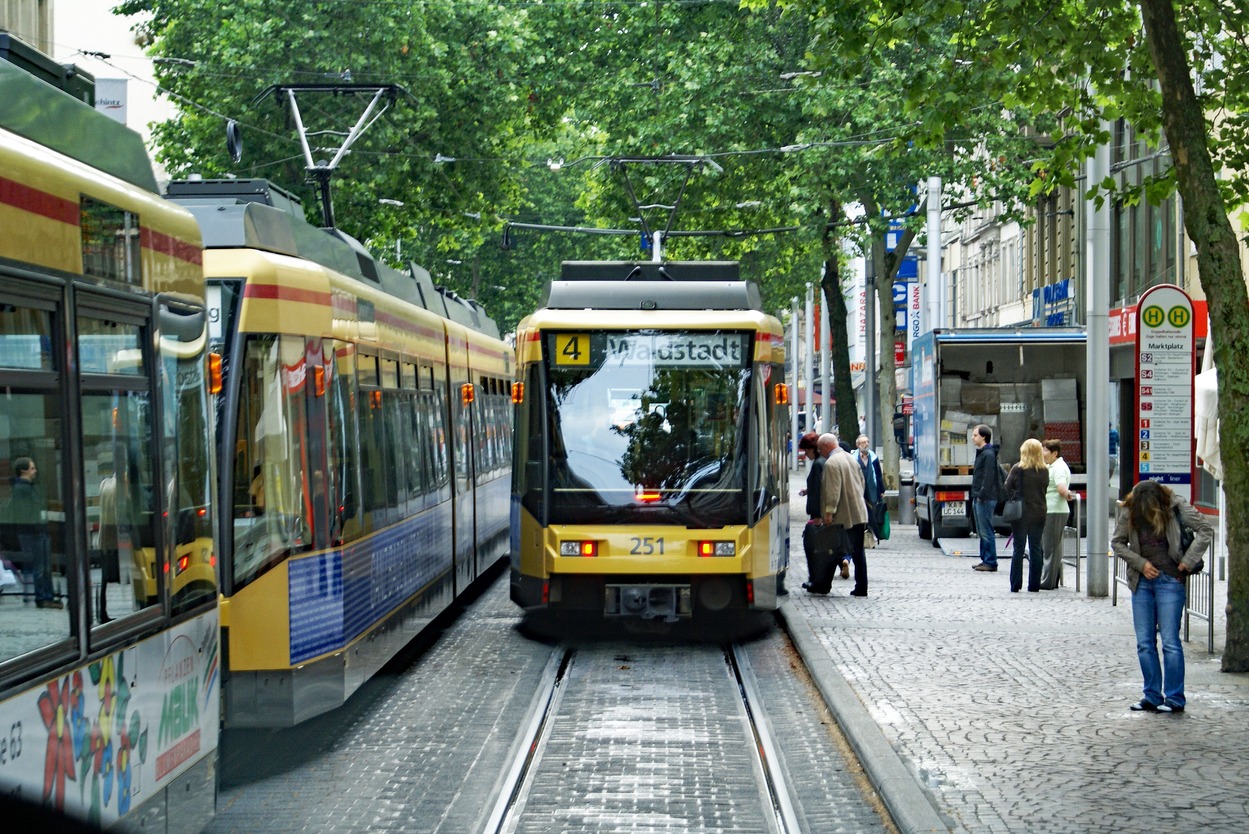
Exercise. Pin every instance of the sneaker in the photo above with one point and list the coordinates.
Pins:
(48, 603)
(986, 568)
(1146, 706)
(1170, 706)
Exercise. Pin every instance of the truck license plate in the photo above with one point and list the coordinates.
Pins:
(955, 508)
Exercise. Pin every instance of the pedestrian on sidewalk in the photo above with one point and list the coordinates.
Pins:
(28, 517)
(986, 491)
(1057, 494)
(1028, 479)
(873, 484)
(817, 562)
(841, 497)
(1147, 537)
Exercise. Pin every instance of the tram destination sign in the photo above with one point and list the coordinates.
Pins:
(689, 349)
(1164, 392)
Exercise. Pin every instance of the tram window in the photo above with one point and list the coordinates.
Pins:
(32, 509)
(25, 338)
(372, 457)
(389, 374)
(436, 414)
(366, 371)
(270, 482)
(106, 347)
(409, 450)
(391, 465)
(192, 569)
(344, 447)
(125, 570)
(110, 242)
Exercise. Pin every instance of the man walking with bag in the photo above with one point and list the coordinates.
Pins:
(841, 496)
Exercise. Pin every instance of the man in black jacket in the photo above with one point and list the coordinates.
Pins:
(26, 515)
(986, 491)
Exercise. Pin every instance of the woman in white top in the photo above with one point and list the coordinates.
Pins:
(1056, 510)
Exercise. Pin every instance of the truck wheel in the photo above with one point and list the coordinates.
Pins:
(925, 529)
(937, 530)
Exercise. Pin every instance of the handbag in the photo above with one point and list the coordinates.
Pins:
(1012, 511)
(1186, 541)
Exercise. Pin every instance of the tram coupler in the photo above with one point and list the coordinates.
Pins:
(671, 602)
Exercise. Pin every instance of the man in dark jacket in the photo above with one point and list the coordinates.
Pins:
(986, 491)
(26, 515)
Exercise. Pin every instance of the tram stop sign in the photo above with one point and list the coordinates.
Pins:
(1164, 391)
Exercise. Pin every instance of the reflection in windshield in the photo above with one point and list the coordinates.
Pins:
(650, 428)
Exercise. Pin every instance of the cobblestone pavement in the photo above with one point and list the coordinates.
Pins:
(1010, 711)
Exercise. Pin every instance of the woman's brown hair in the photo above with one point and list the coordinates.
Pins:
(1148, 504)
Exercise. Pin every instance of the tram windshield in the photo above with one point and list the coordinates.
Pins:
(647, 427)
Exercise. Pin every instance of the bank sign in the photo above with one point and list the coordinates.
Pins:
(1164, 392)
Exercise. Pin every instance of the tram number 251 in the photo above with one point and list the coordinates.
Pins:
(647, 546)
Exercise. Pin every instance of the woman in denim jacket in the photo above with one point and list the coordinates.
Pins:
(1147, 537)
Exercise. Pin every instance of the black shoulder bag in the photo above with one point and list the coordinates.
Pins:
(1186, 540)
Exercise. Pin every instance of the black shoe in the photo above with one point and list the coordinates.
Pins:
(986, 568)
(806, 586)
(781, 592)
(858, 593)
(1146, 706)
(48, 603)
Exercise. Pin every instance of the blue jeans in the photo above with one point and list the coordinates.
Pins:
(36, 550)
(1157, 605)
(984, 529)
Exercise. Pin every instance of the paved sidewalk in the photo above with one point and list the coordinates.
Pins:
(975, 709)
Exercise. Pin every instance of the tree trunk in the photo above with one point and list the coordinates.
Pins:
(847, 414)
(1218, 262)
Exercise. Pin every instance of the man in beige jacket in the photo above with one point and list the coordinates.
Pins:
(841, 493)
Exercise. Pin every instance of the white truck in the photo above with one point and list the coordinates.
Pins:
(1021, 382)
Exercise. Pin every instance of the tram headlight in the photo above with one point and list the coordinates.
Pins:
(580, 548)
(717, 549)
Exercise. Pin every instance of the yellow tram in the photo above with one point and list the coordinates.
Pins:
(109, 635)
(364, 450)
(651, 422)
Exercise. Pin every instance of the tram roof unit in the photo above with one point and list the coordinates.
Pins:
(648, 285)
(256, 214)
(65, 122)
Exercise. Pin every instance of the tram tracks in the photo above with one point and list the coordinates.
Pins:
(674, 736)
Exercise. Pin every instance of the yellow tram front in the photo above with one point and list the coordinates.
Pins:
(651, 424)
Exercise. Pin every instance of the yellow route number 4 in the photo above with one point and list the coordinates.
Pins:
(572, 349)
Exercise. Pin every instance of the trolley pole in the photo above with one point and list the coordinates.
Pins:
(795, 362)
(808, 355)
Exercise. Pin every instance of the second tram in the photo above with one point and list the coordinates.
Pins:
(364, 450)
(651, 423)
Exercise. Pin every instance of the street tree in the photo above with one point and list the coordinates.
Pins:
(1175, 72)
(445, 157)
